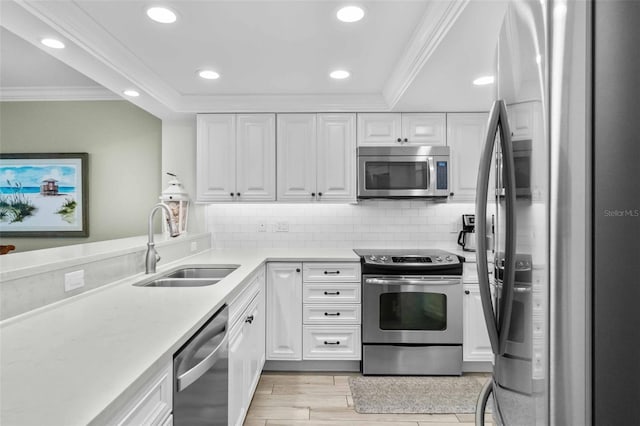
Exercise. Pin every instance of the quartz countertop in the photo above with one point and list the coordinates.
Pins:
(77, 361)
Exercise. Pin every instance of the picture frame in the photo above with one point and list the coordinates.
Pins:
(44, 195)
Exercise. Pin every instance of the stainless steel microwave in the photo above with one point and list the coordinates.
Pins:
(403, 172)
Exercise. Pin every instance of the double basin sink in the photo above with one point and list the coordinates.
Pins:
(190, 276)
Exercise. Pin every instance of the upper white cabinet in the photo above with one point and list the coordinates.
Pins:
(235, 157)
(316, 157)
(466, 133)
(521, 120)
(392, 129)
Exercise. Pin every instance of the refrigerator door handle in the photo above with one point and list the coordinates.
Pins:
(497, 328)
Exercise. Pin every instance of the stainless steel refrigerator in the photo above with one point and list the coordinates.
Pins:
(558, 198)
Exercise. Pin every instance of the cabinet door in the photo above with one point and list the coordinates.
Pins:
(237, 374)
(296, 154)
(256, 346)
(475, 340)
(423, 129)
(216, 157)
(284, 311)
(336, 157)
(379, 129)
(465, 136)
(256, 157)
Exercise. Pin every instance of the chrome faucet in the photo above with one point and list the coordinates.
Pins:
(152, 256)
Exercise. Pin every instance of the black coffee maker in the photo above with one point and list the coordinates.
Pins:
(467, 237)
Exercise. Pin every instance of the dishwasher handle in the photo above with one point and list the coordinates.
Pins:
(184, 380)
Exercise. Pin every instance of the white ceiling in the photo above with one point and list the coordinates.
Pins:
(272, 55)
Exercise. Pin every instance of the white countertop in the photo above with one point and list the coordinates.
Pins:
(73, 362)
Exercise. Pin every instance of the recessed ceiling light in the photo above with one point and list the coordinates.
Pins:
(339, 74)
(484, 80)
(162, 15)
(209, 74)
(53, 43)
(132, 93)
(350, 14)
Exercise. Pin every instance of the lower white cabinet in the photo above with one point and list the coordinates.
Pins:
(153, 404)
(476, 345)
(331, 342)
(246, 351)
(284, 311)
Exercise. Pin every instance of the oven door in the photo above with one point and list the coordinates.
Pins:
(402, 176)
(411, 309)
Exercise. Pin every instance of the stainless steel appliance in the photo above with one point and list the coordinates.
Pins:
(467, 237)
(200, 391)
(411, 312)
(403, 172)
(565, 254)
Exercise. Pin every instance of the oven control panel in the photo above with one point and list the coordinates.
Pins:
(423, 260)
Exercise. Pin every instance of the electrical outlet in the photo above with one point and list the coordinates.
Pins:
(73, 280)
(194, 246)
(282, 226)
(262, 227)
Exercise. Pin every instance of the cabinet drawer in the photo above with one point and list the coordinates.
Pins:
(331, 342)
(331, 293)
(241, 302)
(331, 272)
(331, 314)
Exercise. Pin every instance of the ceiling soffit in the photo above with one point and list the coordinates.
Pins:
(100, 56)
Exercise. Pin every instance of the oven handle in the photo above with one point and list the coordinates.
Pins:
(410, 281)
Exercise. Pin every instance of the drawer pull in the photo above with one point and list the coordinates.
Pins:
(332, 272)
(249, 319)
(327, 314)
(332, 343)
(331, 293)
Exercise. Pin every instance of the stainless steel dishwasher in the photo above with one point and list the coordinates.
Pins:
(200, 390)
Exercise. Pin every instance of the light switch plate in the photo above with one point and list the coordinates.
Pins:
(262, 227)
(282, 226)
(194, 245)
(74, 280)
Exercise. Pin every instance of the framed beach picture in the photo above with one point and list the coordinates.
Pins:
(44, 195)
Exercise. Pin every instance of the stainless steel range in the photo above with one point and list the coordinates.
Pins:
(411, 312)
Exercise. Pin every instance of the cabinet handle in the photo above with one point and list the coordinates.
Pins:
(332, 272)
(466, 292)
(297, 269)
(337, 342)
(249, 319)
(331, 293)
(327, 314)
(399, 140)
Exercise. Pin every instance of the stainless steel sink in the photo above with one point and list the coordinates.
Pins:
(190, 276)
(179, 282)
(201, 272)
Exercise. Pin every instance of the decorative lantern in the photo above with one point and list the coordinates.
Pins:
(177, 199)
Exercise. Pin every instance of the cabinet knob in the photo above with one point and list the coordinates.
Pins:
(466, 292)
(406, 140)
(231, 193)
(297, 269)
(451, 194)
(319, 194)
(399, 139)
(313, 194)
(238, 194)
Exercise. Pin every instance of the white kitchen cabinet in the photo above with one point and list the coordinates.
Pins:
(316, 157)
(153, 404)
(235, 157)
(284, 311)
(475, 339)
(246, 349)
(521, 120)
(466, 133)
(398, 129)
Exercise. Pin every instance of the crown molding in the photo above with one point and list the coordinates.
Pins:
(63, 93)
(436, 23)
(282, 103)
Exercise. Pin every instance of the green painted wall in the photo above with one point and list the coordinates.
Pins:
(124, 146)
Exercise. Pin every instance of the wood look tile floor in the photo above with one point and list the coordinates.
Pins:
(292, 399)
